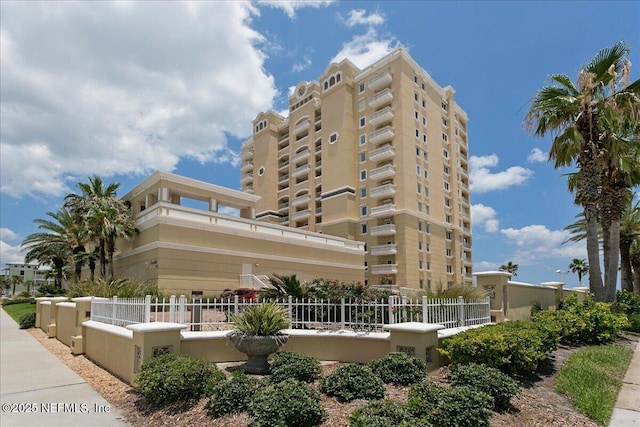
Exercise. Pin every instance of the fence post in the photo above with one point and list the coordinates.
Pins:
(235, 304)
(425, 301)
(114, 302)
(290, 308)
(342, 314)
(391, 317)
(92, 308)
(404, 308)
(172, 309)
(147, 309)
(182, 309)
(461, 320)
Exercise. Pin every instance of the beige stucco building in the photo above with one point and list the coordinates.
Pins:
(199, 237)
(378, 155)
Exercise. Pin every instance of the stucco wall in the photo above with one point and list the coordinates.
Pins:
(110, 347)
(66, 322)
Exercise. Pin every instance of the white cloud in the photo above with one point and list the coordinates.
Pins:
(484, 215)
(365, 49)
(8, 234)
(483, 180)
(485, 266)
(302, 65)
(360, 17)
(112, 88)
(10, 253)
(536, 242)
(537, 155)
(290, 6)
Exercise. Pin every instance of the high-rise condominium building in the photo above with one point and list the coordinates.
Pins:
(378, 155)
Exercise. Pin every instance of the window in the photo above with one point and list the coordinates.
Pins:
(261, 171)
(420, 264)
(426, 174)
(415, 114)
(445, 122)
(421, 283)
(447, 219)
(363, 157)
(424, 104)
(424, 121)
(446, 185)
(426, 209)
(448, 235)
(446, 170)
(429, 268)
(445, 154)
(426, 191)
(447, 202)
(361, 87)
(363, 192)
(418, 151)
(427, 247)
(363, 175)
(449, 252)
(425, 157)
(417, 133)
(418, 188)
(419, 225)
(424, 138)
(363, 210)
(444, 106)
(449, 269)
(445, 138)
(363, 228)
(363, 139)
(415, 79)
(333, 138)
(419, 245)
(427, 229)
(363, 122)
(415, 96)
(419, 206)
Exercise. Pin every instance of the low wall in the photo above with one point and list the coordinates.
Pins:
(343, 346)
(110, 347)
(66, 322)
(45, 314)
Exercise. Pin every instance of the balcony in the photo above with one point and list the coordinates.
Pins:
(383, 230)
(283, 178)
(380, 81)
(248, 189)
(384, 269)
(301, 215)
(301, 200)
(301, 127)
(284, 164)
(301, 156)
(384, 211)
(247, 155)
(247, 167)
(283, 137)
(383, 153)
(381, 99)
(302, 170)
(284, 205)
(386, 171)
(381, 117)
(247, 178)
(380, 136)
(283, 220)
(386, 190)
(384, 250)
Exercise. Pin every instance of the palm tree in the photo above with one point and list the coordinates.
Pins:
(634, 258)
(15, 280)
(54, 245)
(283, 286)
(584, 120)
(93, 197)
(510, 267)
(579, 267)
(629, 232)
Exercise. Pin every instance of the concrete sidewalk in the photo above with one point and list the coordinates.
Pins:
(626, 413)
(37, 389)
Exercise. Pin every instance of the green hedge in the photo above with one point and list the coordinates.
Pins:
(487, 380)
(287, 403)
(286, 364)
(352, 381)
(399, 368)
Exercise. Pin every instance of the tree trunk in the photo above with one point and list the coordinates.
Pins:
(103, 259)
(636, 279)
(111, 248)
(612, 257)
(593, 254)
(626, 274)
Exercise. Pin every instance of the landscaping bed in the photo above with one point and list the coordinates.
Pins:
(537, 405)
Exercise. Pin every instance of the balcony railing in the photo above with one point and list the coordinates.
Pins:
(301, 200)
(247, 154)
(302, 170)
(300, 215)
(384, 269)
(283, 178)
(383, 191)
(301, 156)
(381, 117)
(247, 167)
(381, 81)
(301, 127)
(386, 171)
(382, 135)
(383, 230)
(390, 249)
(247, 178)
(383, 153)
(383, 211)
(381, 99)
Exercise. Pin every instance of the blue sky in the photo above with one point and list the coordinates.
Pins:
(123, 89)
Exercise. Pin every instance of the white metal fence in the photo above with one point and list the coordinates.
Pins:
(213, 314)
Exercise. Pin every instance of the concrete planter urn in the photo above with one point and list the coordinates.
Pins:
(257, 349)
(257, 333)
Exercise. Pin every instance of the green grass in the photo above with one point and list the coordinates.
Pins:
(17, 310)
(592, 378)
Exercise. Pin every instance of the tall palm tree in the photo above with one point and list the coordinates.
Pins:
(629, 232)
(54, 245)
(579, 267)
(94, 196)
(510, 267)
(578, 118)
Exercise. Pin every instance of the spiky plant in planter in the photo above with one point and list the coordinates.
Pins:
(258, 333)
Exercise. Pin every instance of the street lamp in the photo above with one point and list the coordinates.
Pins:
(563, 273)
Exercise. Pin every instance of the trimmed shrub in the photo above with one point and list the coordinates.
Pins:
(171, 377)
(231, 396)
(634, 322)
(513, 347)
(583, 322)
(487, 380)
(399, 368)
(19, 301)
(27, 320)
(629, 304)
(287, 403)
(382, 413)
(49, 290)
(352, 381)
(301, 367)
(450, 407)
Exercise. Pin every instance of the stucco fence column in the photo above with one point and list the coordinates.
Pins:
(417, 339)
(154, 339)
(53, 316)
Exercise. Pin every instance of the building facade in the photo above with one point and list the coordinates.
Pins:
(199, 238)
(378, 155)
(29, 276)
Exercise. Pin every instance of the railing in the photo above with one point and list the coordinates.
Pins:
(215, 314)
